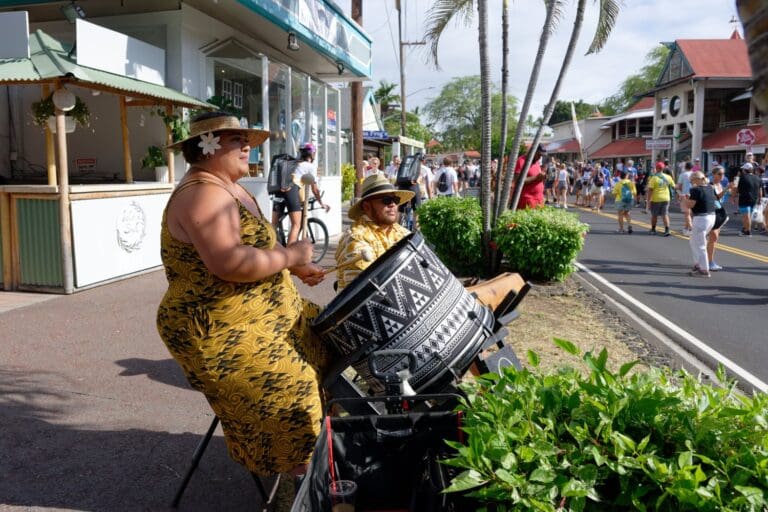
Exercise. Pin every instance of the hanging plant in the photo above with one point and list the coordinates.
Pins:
(43, 109)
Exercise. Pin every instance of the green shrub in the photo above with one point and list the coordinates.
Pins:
(653, 440)
(453, 226)
(540, 243)
(348, 177)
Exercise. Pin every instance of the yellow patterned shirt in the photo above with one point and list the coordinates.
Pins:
(364, 233)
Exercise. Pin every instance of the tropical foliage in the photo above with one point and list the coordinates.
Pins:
(452, 226)
(562, 111)
(604, 440)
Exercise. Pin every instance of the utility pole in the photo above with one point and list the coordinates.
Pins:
(403, 44)
(357, 110)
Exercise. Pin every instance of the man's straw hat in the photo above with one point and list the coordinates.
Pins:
(378, 185)
(222, 123)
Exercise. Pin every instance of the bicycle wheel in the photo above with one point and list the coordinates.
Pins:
(317, 233)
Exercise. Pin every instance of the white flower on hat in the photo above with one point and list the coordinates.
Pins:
(209, 143)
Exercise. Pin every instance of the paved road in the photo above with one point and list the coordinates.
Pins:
(727, 311)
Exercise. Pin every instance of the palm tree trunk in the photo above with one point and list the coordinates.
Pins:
(485, 145)
(553, 98)
(504, 87)
(546, 30)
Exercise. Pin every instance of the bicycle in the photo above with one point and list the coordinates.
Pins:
(317, 232)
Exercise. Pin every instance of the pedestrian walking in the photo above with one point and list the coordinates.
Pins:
(721, 215)
(701, 202)
(624, 193)
(660, 187)
(750, 194)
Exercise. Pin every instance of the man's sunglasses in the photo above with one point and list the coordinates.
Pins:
(388, 200)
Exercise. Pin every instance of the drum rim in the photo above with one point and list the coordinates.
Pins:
(342, 306)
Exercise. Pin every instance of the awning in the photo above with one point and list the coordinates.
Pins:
(637, 114)
(725, 139)
(49, 62)
(622, 148)
(562, 146)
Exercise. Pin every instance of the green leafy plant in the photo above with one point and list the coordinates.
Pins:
(452, 225)
(647, 440)
(176, 124)
(154, 157)
(43, 109)
(348, 178)
(540, 243)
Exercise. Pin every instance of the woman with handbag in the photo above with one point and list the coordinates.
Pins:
(721, 216)
(701, 201)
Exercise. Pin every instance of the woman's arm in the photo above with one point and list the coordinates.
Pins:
(211, 219)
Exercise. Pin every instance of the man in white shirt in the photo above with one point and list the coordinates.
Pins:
(448, 186)
(391, 170)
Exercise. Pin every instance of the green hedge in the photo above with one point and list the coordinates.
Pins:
(453, 226)
(540, 243)
(652, 440)
(348, 177)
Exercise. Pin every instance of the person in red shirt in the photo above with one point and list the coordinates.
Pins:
(533, 187)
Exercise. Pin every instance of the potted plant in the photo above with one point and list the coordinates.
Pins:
(155, 158)
(43, 112)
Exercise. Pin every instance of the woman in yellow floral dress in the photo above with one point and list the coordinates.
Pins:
(232, 317)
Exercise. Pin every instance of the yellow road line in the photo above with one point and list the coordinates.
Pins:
(720, 245)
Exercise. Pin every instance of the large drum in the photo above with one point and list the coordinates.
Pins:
(407, 299)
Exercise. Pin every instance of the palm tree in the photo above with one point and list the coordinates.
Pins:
(554, 8)
(754, 18)
(385, 96)
(504, 87)
(439, 16)
(609, 11)
(485, 138)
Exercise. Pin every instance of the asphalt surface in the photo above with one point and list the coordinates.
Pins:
(726, 311)
(94, 413)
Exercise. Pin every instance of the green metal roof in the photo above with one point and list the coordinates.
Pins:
(49, 61)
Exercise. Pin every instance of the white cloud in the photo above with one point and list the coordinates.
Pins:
(641, 25)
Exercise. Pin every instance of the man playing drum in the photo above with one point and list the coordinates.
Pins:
(375, 229)
(375, 226)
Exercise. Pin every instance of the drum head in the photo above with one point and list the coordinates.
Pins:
(361, 288)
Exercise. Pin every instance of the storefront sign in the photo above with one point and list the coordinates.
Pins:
(746, 137)
(375, 134)
(14, 35)
(85, 165)
(651, 144)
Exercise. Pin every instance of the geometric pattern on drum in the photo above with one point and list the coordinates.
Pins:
(401, 301)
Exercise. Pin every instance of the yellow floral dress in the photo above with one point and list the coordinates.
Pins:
(247, 347)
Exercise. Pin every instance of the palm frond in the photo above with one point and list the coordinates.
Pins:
(440, 16)
(558, 9)
(609, 12)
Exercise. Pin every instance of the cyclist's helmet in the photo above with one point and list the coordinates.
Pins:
(308, 147)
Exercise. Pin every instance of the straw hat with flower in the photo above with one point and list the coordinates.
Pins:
(206, 125)
(374, 186)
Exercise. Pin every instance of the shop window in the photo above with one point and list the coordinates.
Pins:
(279, 104)
(299, 131)
(333, 131)
(317, 123)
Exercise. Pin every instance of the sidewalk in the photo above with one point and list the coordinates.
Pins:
(95, 415)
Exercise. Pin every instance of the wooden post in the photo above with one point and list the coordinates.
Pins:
(357, 111)
(126, 142)
(5, 231)
(50, 148)
(169, 141)
(65, 222)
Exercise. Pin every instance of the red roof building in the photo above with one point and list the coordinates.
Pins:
(700, 96)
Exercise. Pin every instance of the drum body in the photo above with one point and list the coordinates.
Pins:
(407, 299)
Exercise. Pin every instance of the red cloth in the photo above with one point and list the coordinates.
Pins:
(533, 193)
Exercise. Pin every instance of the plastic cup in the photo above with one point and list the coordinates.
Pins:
(342, 493)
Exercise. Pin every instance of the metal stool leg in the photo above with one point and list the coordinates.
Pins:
(196, 456)
(266, 499)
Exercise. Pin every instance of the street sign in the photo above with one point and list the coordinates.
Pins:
(375, 134)
(746, 137)
(651, 144)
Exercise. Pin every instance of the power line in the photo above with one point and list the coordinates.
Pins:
(392, 38)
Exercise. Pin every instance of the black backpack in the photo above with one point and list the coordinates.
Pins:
(281, 173)
(442, 183)
(409, 171)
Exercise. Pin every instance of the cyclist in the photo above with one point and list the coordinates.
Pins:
(294, 196)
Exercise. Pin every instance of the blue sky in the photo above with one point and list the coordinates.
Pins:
(641, 25)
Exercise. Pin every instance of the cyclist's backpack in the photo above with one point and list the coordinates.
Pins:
(442, 183)
(281, 173)
(626, 193)
(409, 171)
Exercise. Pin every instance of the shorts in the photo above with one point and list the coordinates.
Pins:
(624, 206)
(659, 208)
(548, 184)
(561, 188)
(746, 209)
(289, 199)
(577, 186)
(594, 189)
